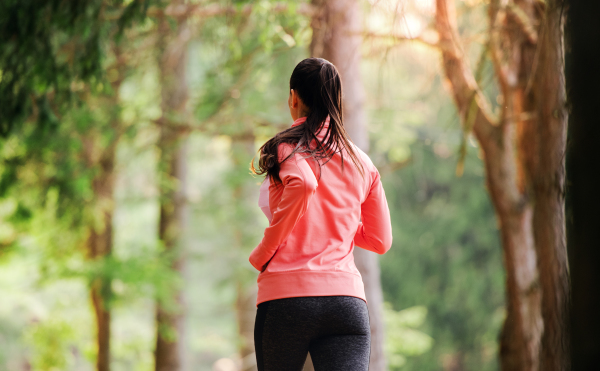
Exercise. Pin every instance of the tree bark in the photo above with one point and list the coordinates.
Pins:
(246, 314)
(102, 314)
(170, 352)
(583, 183)
(337, 37)
(170, 319)
(521, 333)
(523, 152)
(548, 181)
(243, 192)
(99, 245)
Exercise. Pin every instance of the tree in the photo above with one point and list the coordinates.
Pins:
(217, 112)
(173, 126)
(74, 161)
(448, 256)
(244, 233)
(337, 38)
(583, 237)
(523, 152)
(47, 45)
(100, 236)
(52, 60)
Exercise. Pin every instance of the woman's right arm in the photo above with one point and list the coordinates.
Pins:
(374, 232)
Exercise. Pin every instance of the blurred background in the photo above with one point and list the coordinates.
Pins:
(128, 210)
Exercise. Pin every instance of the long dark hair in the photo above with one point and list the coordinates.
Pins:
(319, 86)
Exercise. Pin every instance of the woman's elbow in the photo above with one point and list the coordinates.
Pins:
(310, 185)
(299, 184)
(385, 245)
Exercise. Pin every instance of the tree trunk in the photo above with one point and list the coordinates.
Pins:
(244, 197)
(520, 338)
(547, 177)
(368, 265)
(246, 314)
(583, 183)
(170, 352)
(99, 244)
(102, 314)
(523, 152)
(170, 347)
(337, 38)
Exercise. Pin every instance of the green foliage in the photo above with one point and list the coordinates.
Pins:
(49, 174)
(442, 278)
(402, 337)
(50, 341)
(242, 82)
(446, 256)
(46, 46)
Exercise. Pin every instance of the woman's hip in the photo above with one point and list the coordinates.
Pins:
(318, 315)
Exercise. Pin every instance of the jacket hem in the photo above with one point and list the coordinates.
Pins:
(276, 285)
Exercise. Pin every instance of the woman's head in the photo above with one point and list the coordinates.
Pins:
(315, 92)
(315, 88)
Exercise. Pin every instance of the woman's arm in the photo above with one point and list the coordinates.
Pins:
(374, 232)
(299, 184)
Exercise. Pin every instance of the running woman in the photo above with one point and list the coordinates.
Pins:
(322, 196)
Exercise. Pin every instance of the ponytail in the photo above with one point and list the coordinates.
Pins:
(319, 85)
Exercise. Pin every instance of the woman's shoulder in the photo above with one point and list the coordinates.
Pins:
(365, 159)
(284, 150)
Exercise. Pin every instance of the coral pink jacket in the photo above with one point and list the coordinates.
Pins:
(314, 224)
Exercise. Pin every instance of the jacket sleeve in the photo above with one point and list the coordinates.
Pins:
(374, 232)
(299, 184)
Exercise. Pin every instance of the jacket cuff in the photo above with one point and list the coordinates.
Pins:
(253, 258)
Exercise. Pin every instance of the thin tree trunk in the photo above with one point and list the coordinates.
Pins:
(170, 352)
(100, 238)
(368, 265)
(99, 246)
(170, 347)
(244, 194)
(102, 314)
(246, 314)
(336, 37)
(583, 182)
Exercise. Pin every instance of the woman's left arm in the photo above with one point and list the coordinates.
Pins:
(300, 185)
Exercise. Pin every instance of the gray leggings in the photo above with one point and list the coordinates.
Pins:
(334, 329)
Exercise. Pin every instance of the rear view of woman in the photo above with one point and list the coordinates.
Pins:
(322, 196)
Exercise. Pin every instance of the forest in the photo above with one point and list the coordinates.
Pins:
(128, 208)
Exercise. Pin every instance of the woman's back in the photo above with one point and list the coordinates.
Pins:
(316, 214)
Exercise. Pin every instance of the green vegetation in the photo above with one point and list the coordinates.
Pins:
(442, 278)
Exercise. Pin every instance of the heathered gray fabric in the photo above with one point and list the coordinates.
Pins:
(335, 329)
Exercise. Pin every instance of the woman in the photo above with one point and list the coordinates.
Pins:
(310, 294)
